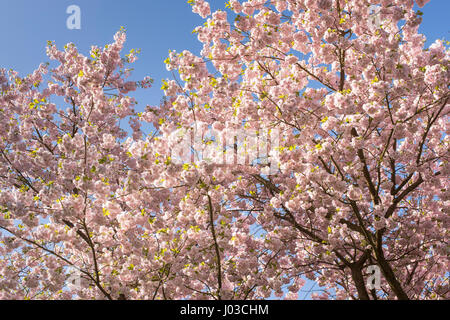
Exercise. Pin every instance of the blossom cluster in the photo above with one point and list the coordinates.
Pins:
(360, 171)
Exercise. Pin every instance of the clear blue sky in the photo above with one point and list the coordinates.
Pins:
(155, 26)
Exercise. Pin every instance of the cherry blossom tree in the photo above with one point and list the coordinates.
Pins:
(361, 164)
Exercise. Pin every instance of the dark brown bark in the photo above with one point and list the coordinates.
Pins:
(358, 279)
(389, 275)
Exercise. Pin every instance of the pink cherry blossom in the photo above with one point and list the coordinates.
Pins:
(355, 172)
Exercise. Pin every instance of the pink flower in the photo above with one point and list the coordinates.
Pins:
(291, 59)
(127, 87)
(421, 3)
(108, 141)
(202, 8)
(324, 4)
(236, 6)
(275, 202)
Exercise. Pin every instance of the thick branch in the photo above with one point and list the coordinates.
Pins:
(216, 247)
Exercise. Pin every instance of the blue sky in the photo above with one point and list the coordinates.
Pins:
(155, 26)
